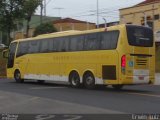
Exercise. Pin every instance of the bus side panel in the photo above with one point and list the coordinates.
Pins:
(107, 66)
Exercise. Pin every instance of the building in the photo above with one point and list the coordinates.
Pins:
(146, 13)
(73, 24)
(59, 24)
(20, 31)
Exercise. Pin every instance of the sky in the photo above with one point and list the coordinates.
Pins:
(86, 9)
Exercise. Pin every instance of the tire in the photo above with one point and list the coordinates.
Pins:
(89, 81)
(74, 80)
(117, 87)
(17, 77)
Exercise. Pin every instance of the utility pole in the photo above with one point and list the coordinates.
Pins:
(97, 14)
(45, 7)
(41, 5)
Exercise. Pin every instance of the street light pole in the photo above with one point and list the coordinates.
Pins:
(105, 22)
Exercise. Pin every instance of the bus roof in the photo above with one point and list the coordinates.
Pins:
(71, 32)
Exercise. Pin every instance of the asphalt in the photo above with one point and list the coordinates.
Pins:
(31, 97)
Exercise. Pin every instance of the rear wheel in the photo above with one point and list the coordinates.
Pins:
(117, 87)
(17, 77)
(74, 79)
(89, 81)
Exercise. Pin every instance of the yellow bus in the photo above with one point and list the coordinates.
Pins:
(118, 55)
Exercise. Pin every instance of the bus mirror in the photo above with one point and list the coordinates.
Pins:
(5, 53)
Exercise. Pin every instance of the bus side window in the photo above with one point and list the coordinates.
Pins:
(33, 46)
(109, 40)
(80, 43)
(50, 45)
(44, 46)
(105, 41)
(22, 48)
(73, 43)
(55, 45)
(92, 42)
(63, 44)
(114, 39)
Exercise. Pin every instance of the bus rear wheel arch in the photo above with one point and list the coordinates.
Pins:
(74, 79)
(89, 80)
(17, 76)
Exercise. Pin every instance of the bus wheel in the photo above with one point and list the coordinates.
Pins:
(74, 79)
(17, 77)
(117, 87)
(89, 81)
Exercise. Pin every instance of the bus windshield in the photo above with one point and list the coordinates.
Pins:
(139, 36)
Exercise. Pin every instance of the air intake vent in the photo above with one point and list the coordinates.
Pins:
(141, 62)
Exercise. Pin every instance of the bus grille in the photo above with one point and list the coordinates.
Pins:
(141, 62)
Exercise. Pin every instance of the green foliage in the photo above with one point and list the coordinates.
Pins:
(10, 12)
(30, 7)
(44, 28)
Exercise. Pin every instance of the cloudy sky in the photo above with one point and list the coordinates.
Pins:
(86, 9)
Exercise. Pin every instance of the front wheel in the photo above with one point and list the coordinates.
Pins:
(17, 77)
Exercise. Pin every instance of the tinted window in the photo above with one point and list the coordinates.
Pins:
(76, 43)
(11, 55)
(63, 44)
(33, 46)
(50, 45)
(22, 48)
(108, 40)
(140, 36)
(55, 45)
(92, 42)
(44, 46)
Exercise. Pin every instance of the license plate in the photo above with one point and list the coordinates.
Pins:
(141, 78)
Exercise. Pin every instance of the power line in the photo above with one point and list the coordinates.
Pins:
(111, 9)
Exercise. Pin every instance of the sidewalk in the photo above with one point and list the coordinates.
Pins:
(157, 79)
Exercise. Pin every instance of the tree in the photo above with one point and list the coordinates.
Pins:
(10, 11)
(29, 9)
(44, 28)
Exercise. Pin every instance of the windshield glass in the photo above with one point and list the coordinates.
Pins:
(139, 36)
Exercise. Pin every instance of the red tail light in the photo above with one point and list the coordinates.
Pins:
(123, 61)
(123, 64)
